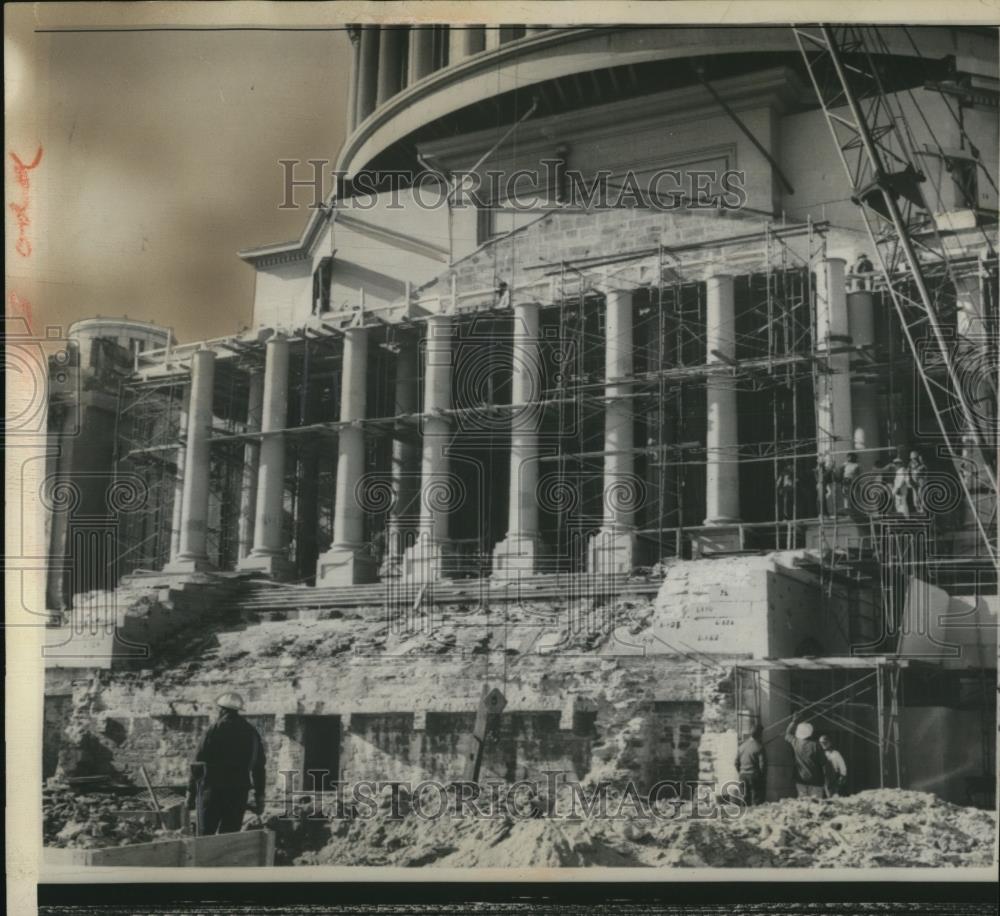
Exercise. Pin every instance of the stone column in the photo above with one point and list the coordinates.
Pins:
(867, 436)
(834, 419)
(354, 34)
(464, 42)
(612, 549)
(175, 521)
(722, 477)
(63, 496)
(251, 463)
(425, 560)
(405, 460)
(192, 551)
(518, 554)
(492, 37)
(390, 63)
(367, 72)
(421, 62)
(268, 552)
(348, 562)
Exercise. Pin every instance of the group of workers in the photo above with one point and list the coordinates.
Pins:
(834, 485)
(820, 769)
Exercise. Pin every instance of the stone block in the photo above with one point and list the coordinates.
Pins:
(345, 565)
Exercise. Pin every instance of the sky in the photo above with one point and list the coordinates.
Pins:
(159, 161)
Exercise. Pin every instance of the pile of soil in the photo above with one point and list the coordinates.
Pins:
(873, 829)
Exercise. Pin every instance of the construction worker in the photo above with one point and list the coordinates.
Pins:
(826, 485)
(918, 477)
(785, 485)
(862, 271)
(836, 768)
(849, 473)
(810, 761)
(230, 760)
(902, 486)
(751, 765)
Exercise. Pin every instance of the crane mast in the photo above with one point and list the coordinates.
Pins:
(871, 135)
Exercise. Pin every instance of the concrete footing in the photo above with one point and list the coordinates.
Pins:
(427, 561)
(717, 537)
(611, 552)
(346, 564)
(518, 556)
(275, 565)
(189, 565)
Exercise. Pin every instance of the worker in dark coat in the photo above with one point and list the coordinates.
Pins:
(751, 765)
(810, 761)
(229, 762)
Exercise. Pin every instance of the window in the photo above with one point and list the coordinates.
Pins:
(322, 279)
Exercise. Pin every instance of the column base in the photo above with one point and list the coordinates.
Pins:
(187, 564)
(724, 537)
(721, 521)
(275, 565)
(611, 552)
(345, 564)
(427, 561)
(391, 568)
(517, 556)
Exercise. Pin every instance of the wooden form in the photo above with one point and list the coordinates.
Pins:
(230, 850)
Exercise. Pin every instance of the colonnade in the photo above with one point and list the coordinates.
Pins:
(847, 418)
(388, 58)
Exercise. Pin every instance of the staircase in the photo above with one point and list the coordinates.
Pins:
(267, 600)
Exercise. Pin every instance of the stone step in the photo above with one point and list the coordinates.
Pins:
(272, 597)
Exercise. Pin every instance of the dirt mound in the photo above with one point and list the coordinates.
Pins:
(877, 828)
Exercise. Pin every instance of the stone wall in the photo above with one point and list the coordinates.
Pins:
(624, 691)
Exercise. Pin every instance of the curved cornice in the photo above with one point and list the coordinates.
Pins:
(562, 52)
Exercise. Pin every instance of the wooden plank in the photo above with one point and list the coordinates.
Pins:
(819, 663)
(158, 854)
(247, 849)
(152, 795)
(491, 704)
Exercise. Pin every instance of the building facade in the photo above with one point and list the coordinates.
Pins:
(518, 379)
(83, 494)
(409, 347)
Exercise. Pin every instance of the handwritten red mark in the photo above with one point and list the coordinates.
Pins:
(20, 306)
(23, 244)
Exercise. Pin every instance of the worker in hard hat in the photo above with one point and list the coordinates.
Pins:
(228, 763)
(810, 761)
(751, 765)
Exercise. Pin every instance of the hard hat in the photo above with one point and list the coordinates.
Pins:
(230, 701)
(803, 730)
